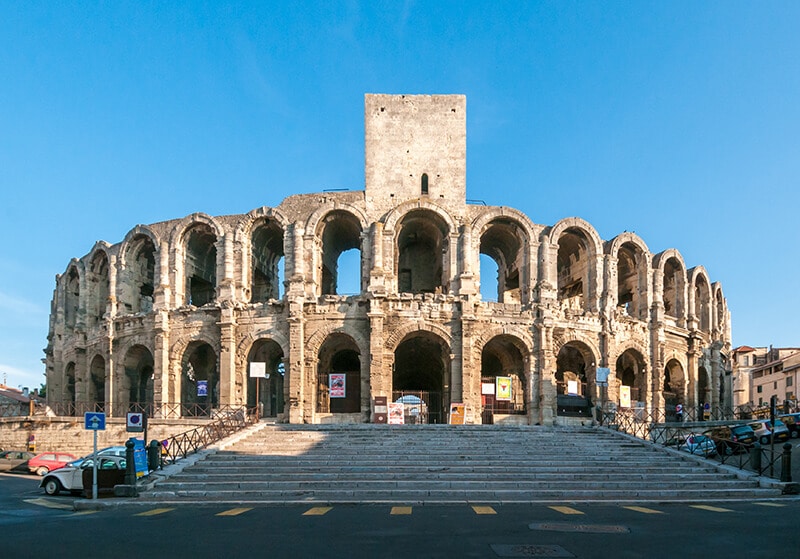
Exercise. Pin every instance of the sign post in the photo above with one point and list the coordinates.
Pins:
(258, 370)
(94, 421)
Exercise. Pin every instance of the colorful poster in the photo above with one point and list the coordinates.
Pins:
(396, 413)
(503, 388)
(336, 385)
(457, 414)
(202, 388)
(624, 396)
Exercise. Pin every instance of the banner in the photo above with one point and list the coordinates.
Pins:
(503, 388)
(336, 385)
(202, 388)
(624, 396)
(396, 413)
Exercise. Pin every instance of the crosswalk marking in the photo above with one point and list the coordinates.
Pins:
(710, 508)
(49, 504)
(566, 510)
(317, 511)
(644, 510)
(484, 510)
(770, 504)
(401, 510)
(234, 512)
(153, 512)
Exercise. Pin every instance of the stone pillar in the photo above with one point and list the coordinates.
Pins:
(162, 380)
(162, 298)
(296, 364)
(547, 380)
(380, 384)
(467, 284)
(227, 357)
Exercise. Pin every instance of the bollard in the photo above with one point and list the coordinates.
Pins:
(130, 466)
(154, 455)
(786, 463)
(755, 458)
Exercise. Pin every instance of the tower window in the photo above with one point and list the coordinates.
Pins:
(424, 186)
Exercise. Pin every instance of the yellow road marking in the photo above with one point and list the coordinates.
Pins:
(644, 510)
(49, 504)
(401, 510)
(710, 508)
(770, 504)
(234, 512)
(566, 510)
(484, 510)
(153, 512)
(317, 511)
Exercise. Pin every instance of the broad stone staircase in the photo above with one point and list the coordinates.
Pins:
(447, 464)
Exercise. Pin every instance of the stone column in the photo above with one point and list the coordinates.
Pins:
(227, 357)
(161, 365)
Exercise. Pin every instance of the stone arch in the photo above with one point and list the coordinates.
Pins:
(200, 378)
(394, 216)
(506, 356)
(340, 374)
(260, 268)
(572, 256)
(97, 381)
(69, 391)
(97, 284)
(700, 298)
(521, 334)
(246, 343)
(506, 239)
(136, 377)
(72, 295)
(421, 376)
(138, 267)
(337, 230)
(720, 312)
(674, 386)
(195, 241)
(631, 369)
(633, 264)
(575, 375)
(398, 334)
(670, 276)
(269, 394)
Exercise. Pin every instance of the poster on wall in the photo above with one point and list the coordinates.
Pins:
(457, 414)
(336, 385)
(503, 388)
(624, 396)
(487, 388)
(258, 370)
(572, 387)
(396, 413)
(202, 388)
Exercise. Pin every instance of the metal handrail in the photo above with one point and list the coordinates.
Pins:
(186, 443)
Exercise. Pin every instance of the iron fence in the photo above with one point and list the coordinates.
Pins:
(189, 442)
(765, 460)
(152, 410)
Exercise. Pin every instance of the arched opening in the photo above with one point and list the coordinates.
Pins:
(503, 242)
(703, 393)
(674, 388)
(631, 282)
(200, 380)
(339, 375)
(424, 184)
(139, 377)
(341, 242)
(421, 378)
(573, 270)
(72, 297)
(267, 392)
(98, 281)
(69, 389)
(97, 382)
(201, 265)
(574, 391)
(630, 372)
(266, 251)
(137, 283)
(422, 248)
(702, 303)
(674, 283)
(721, 319)
(504, 388)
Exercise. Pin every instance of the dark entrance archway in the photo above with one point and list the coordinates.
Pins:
(339, 375)
(421, 378)
(503, 357)
(270, 396)
(674, 389)
(138, 367)
(200, 380)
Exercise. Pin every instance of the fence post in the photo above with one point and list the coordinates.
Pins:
(755, 457)
(786, 463)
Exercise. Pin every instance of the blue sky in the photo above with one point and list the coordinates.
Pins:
(677, 120)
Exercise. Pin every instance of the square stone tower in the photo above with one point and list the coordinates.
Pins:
(415, 148)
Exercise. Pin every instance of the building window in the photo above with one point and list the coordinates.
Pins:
(424, 185)
(775, 385)
(746, 360)
(758, 389)
(788, 381)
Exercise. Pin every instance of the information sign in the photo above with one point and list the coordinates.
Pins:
(135, 422)
(94, 421)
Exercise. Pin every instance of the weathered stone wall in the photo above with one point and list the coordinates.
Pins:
(567, 301)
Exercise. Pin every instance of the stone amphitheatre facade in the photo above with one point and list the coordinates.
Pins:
(172, 318)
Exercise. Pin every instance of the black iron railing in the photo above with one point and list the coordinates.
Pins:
(189, 442)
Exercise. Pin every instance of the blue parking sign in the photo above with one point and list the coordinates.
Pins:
(94, 421)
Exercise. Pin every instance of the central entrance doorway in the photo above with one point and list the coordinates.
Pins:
(421, 378)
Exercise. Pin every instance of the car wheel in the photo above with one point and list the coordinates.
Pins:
(42, 471)
(764, 440)
(52, 486)
(795, 434)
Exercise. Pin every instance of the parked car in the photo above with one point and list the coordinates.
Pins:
(792, 422)
(14, 459)
(70, 477)
(763, 431)
(732, 439)
(107, 451)
(693, 443)
(49, 461)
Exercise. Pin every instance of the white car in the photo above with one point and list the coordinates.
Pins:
(695, 444)
(70, 477)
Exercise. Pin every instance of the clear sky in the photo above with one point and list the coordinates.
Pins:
(677, 120)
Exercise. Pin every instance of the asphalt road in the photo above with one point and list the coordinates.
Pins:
(32, 524)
